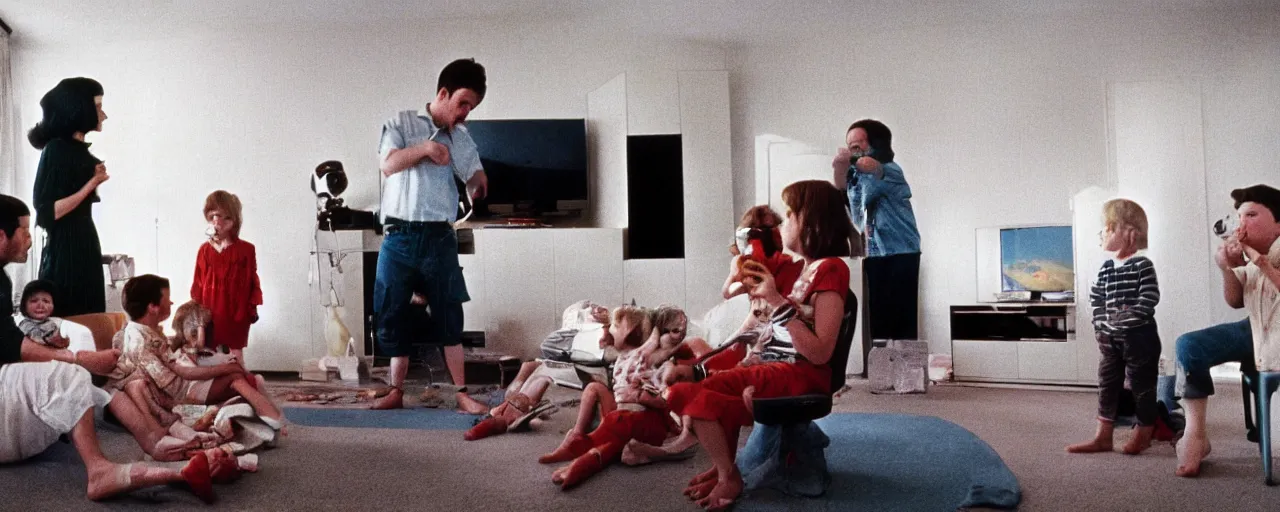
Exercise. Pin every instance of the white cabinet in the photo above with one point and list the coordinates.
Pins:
(588, 265)
(519, 288)
(996, 360)
(531, 275)
(654, 282)
(1019, 343)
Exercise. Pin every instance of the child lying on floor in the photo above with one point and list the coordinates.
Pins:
(634, 411)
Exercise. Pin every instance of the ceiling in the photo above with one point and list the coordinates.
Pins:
(721, 21)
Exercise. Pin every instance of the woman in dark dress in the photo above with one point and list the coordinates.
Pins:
(67, 180)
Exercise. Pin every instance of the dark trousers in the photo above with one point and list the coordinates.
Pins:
(893, 296)
(1132, 355)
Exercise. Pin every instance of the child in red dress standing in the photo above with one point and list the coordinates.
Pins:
(226, 277)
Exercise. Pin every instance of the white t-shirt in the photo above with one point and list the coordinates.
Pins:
(1262, 300)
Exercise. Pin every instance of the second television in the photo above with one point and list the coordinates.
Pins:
(535, 166)
(1037, 259)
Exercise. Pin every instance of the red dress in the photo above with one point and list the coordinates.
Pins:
(227, 283)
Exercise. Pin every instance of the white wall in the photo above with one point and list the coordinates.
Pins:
(1001, 121)
(996, 122)
(255, 112)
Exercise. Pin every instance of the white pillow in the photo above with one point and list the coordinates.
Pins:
(80, 337)
(722, 320)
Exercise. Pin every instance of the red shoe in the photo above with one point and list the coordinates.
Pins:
(197, 475)
(574, 446)
(581, 469)
(491, 426)
(223, 466)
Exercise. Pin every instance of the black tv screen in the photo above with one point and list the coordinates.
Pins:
(532, 164)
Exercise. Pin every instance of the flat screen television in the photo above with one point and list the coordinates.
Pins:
(1037, 259)
(535, 167)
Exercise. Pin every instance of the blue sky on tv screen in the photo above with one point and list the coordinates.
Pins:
(1052, 243)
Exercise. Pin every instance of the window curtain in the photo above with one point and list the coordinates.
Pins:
(10, 145)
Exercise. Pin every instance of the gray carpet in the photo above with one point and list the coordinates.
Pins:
(348, 469)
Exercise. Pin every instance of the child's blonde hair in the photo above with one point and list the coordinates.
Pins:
(637, 319)
(1125, 214)
(229, 205)
(665, 317)
(187, 321)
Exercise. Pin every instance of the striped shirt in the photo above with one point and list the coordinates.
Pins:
(1125, 295)
(824, 275)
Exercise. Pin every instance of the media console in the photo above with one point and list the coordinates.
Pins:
(1020, 343)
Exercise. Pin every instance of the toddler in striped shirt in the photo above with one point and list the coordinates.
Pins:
(1123, 300)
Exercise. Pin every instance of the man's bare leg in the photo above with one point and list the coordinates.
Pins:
(148, 432)
(1194, 446)
(108, 479)
(454, 359)
(394, 399)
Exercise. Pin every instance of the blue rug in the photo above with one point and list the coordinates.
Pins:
(901, 462)
(419, 418)
(415, 418)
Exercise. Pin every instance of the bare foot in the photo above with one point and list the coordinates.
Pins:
(1091, 446)
(557, 476)
(631, 458)
(581, 469)
(697, 483)
(1191, 452)
(724, 494)
(1140, 441)
(107, 480)
(468, 405)
(700, 490)
(393, 400)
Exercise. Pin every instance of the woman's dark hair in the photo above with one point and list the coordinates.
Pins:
(34, 287)
(141, 292)
(879, 136)
(462, 74)
(825, 229)
(68, 109)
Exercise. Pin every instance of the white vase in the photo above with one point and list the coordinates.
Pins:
(336, 334)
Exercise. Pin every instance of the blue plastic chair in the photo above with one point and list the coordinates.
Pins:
(1259, 385)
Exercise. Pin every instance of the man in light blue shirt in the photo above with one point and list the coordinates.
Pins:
(880, 207)
(419, 289)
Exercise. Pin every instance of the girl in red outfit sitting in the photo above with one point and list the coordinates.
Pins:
(805, 326)
(226, 277)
